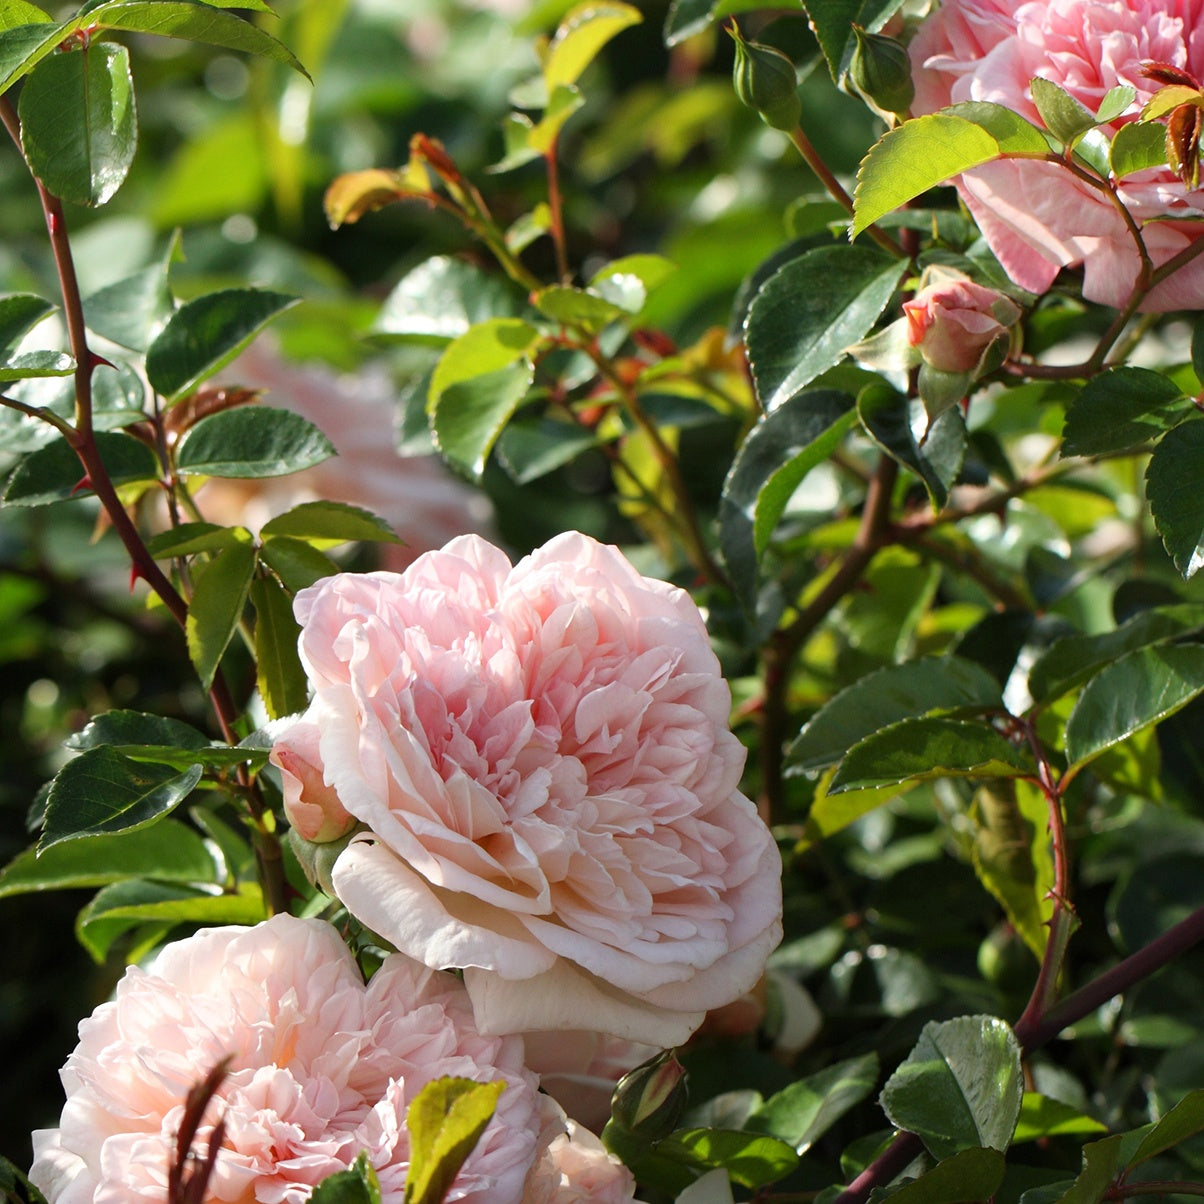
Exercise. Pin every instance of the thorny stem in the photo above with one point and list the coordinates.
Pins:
(82, 439)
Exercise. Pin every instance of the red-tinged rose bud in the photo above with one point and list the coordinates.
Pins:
(432, 152)
(649, 1100)
(1168, 73)
(766, 80)
(655, 342)
(880, 70)
(1183, 129)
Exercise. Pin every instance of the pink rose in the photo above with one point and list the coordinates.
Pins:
(542, 757)
(576, 1168)
(312, 807)
(323, 1067)
(953, 321)
(1036, 216)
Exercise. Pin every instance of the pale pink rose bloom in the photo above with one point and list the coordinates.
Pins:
(1036, 216)
(953, 321)
(323, 1067)
(576, 1168)
(312, 807)
(542, 756)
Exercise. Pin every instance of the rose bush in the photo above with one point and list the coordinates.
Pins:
(1037, 216)
(322, 1068)
(542, 759)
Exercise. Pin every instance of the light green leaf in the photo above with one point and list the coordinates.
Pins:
(298, 564)
(1133, 693)
(1138, 146)
(328, 524)
(188, 539)
(801, 1113)
(102, 793)
(1041, 1116)
(485, 348)
(470, 414)
(21, 12)
(581, 37)
(752, 1160)
(960, 1087)
(577, 307)
(19, 314)
(251, 442)
(199, 185)
(1012, 132)
(445, 1121)
(279, 674)
(217, 606)
(440, 300)
(37, 363)
(1064, 117)
(1176, 500)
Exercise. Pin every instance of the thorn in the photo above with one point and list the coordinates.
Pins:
(84, 483)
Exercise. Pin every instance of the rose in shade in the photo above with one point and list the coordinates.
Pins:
(541, 756)
(321, 1068)
(1037, 216)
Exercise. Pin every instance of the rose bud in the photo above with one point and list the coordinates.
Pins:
(952, 321)
(313, 809)
(765, 80)
(880, 70)
(650, 1099)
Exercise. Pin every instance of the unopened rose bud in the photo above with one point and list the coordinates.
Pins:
(880, 70)
(952, 321)
(317, 860)
(313, 809)
(650, 1099)
(765, 80)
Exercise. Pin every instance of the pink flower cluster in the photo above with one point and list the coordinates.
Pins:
(1038, 217)
(321, 1068)
(540, 759)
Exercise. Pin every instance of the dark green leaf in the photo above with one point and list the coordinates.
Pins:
(169, 850)
(206, 334)
(327, 524)
(795, 330)
(1101, 1160)
(967, 1177)
(102, 793)
(1176, 500)
(922, 749)
(832, 21)
(279, 675)
(936, 459)
(960, 1087)
(251, 442)
(470, 414)
(20, 313)
(1197, 349)
(22, 47)
(189, 539)
(940, 685)
(801, 1113)
(1063, 116)
(358, 1185)
(136, 727)
(1120, 409)
(78, 124)
(54, 473)
(530, 450)
(298, 564)
(445, 1121)
(773, 460)
(217, 606)
(131, 311)
(15, 1187)
(1132, 693)
(751, 1159)
(1184, 1120)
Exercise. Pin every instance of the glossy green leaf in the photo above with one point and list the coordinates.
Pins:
(923, 749)
(936, 458)
(328, 524)
(941, 685)
(530, 450)
(914, 157)
(357, 1185)
(136, 727)
(582, 35)
(21, 12)
(685, 18)
(279, 674)
(967, 1177)
(1176, 501)
(1120, 409)
(22, 47)
(801, 1113)
(960, 1087)
(830, 813)
(1041, 1116)
(36, 363)
(440, 300)
(54, 473)
(102, 793)
(1138, 146)
(1064, 117)
(251, 442)
(1012, 132)
(773, 460)
(470, 414)
(169, 850)
(649, 270)
(445, 1121)
(795, 330)
(20, 313)
(486, 348)
(131, 311)
(832, 19)
(189, 539)
(576, 307)
(216, 609)
(752, 1160)
(205, 334)
(1101, 1160)
(79, 128)
(1184, 1120)
(298, 564)
(1132, 693)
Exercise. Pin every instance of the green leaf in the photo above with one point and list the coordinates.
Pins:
(947, 684)
(101, 793)
(22, 47)
(1012, 132)
(832, 22)
(1120, 409)
(576, 307)
(923, 749)
(198, 186)
(37, 363)
(967, 1177)
(133, 310)
(169, 850)
(279, 675)
(649, 270)
(914, 157)
(1138, 146)
(1176, 501)
(358, 1185)
(795, 331)
(19, 314)
(21, 12)
(960, 1087)
(328, 524)
(445, 1121)
(251, 442)
(188, 539)
(530, 450)
(204, 335)
(1064, 117)
(217, 606)
(15, 1188)
(801, 1113)
(79, 129)
(1184, 1120)
(193, 22)
(470, 414)
(1101, 1160)
(773, 460)
(442, 299)
(298, 564)
(936, 458)
(752, 1160)
(54, 473)
(1041, 1116)
(581, 37)
(1132, 693)
(136, 727)
(125, 905)
(688, 17)
(1115, 101)
(485, 348)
